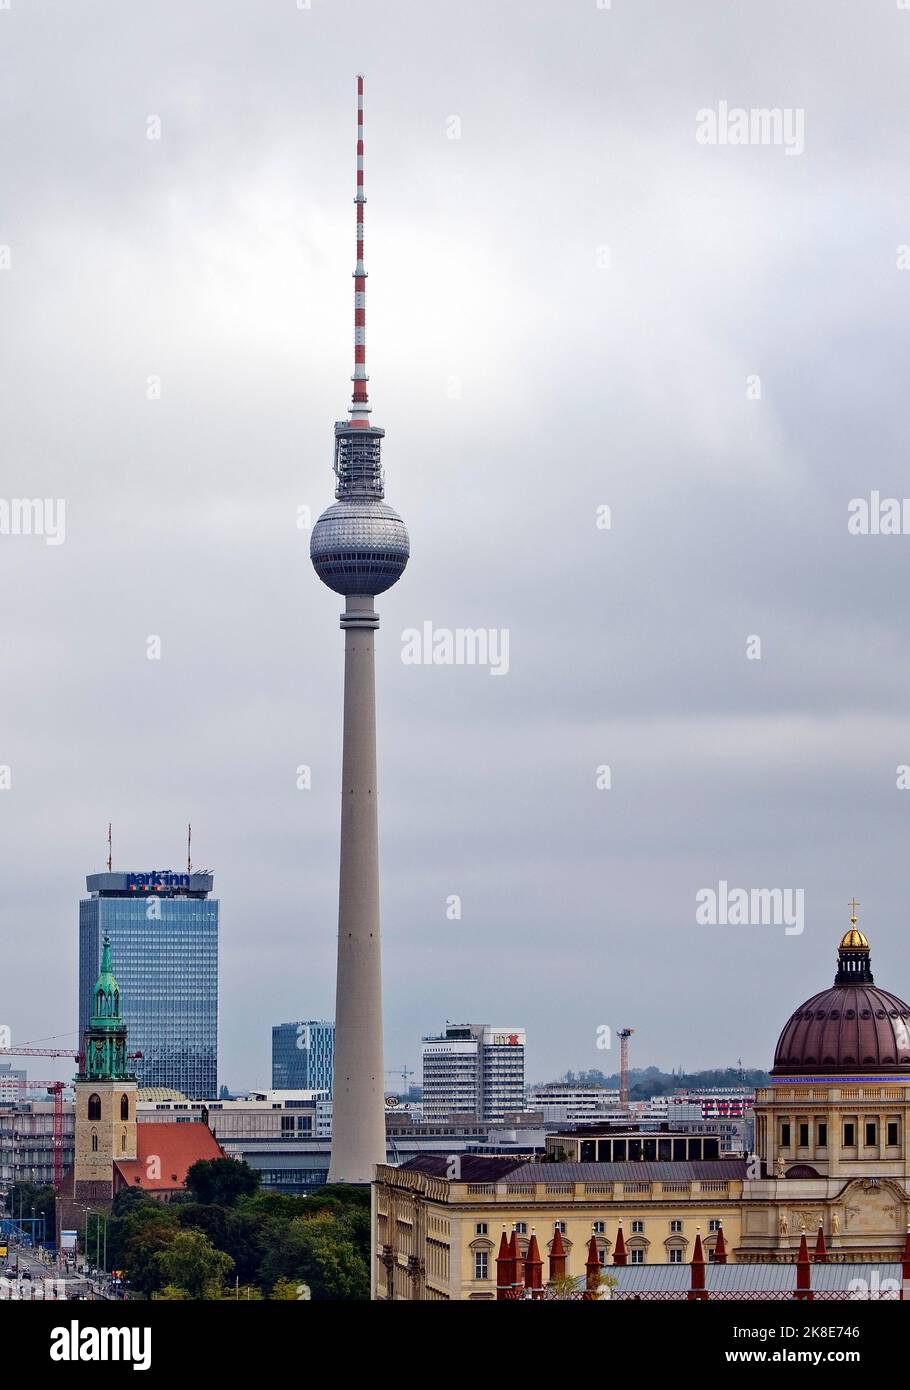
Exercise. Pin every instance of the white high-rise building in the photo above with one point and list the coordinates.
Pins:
(473, 1069)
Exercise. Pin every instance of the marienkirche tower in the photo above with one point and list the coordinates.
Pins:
(359, 548)
(105, 1094)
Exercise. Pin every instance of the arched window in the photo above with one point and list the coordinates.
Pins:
(123, 1142)
(94, 1143)
(124, 1107)
(94, 1106)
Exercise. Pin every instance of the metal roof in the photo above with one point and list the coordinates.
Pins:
(765, 1278)
(706, 1170)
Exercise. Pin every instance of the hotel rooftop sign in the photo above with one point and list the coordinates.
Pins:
(162, 882)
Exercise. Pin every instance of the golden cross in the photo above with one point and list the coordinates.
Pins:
(853, 904)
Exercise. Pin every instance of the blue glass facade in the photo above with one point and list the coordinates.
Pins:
(165, 956)
(302, 1056)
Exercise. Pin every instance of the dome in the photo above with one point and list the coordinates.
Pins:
(359, 546)
(854, 1027)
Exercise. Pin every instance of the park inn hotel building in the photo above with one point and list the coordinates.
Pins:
(832, 1154)
(163, 930)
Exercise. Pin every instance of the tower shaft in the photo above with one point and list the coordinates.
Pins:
(358, 1112)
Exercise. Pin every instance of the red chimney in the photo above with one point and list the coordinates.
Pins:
(697, 1288)
(534, 1267)
(720, 1248)
(619, 1253)
(557, 1256)
(821, 1253)
(503, 1268)
(516, 1262)
(592, 1269)
(803, 1280)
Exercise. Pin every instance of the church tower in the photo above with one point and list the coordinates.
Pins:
(105, 1094)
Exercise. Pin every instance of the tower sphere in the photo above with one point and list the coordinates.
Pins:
(359, 545)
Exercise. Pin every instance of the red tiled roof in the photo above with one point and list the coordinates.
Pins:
(164, 1152)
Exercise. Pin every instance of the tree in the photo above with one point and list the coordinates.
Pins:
(315, 1251)
(221, 1181)
(286, 1290)
(192, 1263)
(136, 1242)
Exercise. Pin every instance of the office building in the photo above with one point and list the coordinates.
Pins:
(473, 1069)
(12, 1083)
(302, 1056)
(163, 930)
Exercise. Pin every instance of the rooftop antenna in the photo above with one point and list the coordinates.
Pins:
(189, 849)
(110, 851)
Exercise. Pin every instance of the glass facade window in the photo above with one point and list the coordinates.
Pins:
(303, 1055)
(165, 956)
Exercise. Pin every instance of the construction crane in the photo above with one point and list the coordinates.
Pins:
(57, 1087)
(403, 1072)
(624, 1034)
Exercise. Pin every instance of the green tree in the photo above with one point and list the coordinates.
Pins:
(141, 1236)
(221, 1181)
(285, 1290)
(315, 1251)
(191, 1262)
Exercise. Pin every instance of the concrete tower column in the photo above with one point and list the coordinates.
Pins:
(358, 1113)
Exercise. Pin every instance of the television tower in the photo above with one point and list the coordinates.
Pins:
(359, 547)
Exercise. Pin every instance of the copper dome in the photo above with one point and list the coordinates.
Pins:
(853, 1027)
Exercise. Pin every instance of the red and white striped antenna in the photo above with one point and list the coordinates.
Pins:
(360, 408)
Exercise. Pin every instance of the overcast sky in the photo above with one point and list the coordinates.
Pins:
(569, 297)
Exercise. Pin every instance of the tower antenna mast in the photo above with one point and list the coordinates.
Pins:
(360, 405)
(110, 850)
(189, 849)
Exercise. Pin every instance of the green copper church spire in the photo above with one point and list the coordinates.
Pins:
(104, 1051)
(106, 1012)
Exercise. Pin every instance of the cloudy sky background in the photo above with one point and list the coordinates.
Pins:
(521, 386)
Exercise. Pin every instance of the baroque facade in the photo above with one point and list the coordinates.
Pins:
(831, 1154)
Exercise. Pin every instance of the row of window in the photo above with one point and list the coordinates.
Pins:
(870, 1128)
(636, 1257)
(637, 1228)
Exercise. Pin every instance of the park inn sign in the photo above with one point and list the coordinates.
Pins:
(163, 878)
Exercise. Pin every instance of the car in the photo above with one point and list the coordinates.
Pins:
(25, 1274)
